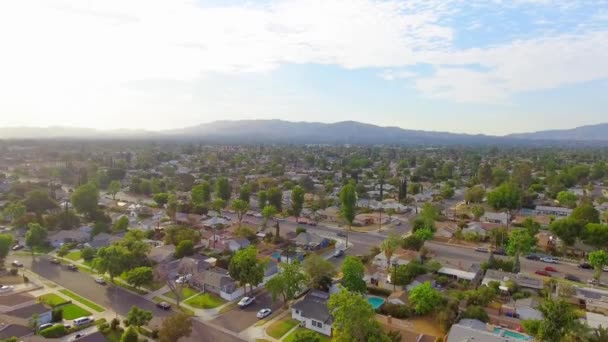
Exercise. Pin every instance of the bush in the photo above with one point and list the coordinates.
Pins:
(476, 312)
(442, 280)
(55, 331)
(14, 271)
(378, 291)
(300, 230)
(148, 333)
(396, 310)
(57, 315)
(114, 324)
(103, 327)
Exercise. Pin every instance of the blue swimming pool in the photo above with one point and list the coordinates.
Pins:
(376, 302)
(510, 333)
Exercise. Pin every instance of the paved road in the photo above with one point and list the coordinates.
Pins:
(111, 297)
(238, 319)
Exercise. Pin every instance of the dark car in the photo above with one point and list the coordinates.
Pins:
(164, 305)
(585, 266)
(341, 234)
(532, 257)
(572, 277)
(72, 267)
(481, 249)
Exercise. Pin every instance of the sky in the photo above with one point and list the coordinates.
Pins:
(472, 66)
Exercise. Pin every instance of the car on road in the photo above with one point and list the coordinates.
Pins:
(17, 263)
(543, 273)
(17, 247)
(82, 321)
(246, 301)
(72, 267)
(549, 260)
(341, 234)
(55, 261)
(572, 277)
(164, 305)
(338, 253)
(550, 269)
(585, 266)
(532, 257)
(263, 313)
(481, 249)
(5, 288)
(100, 281)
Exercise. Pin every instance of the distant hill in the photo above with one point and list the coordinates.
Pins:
(584, 133)
(279, 131)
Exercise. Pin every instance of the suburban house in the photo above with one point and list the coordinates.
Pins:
(525, 308)
(475, 330)
(67, 236)
(552, 211)
(161, 254)
(419, 280)
(236, 244)
(475, 228)
(312, 312)
(215, 222)
(520, 279)
(103, 240)
(498, 218)
(592, 299)
(43, 312)
(399, 257)
(216, 280)
(311, 241)
(473, 275)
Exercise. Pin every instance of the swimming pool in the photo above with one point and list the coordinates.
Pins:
(376, 302)
(512, 334)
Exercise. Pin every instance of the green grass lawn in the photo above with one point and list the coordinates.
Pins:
(73, 311)
(292, 336)
(205, 301)
(74, 256)
(52, 300)
(186, 293)
(281, 327)
(83, 300)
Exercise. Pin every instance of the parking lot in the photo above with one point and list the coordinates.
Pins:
(239, 319)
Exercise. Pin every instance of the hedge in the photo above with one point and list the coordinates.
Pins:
(396, 310)
(56, 330)
(378, 291)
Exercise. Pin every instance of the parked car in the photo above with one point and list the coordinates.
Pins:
(246, 301)
(44, 326)
(263, 313)
(532, 257)
(100, 281)
(164, 305)
(17, 247)
(549, 260)
(585, 266)
(17, 263)
(55, 261)
(72, 267)
(543, 273)
(338, 253)
(572, 277)
(5, 288)
(341, 234)
(481, 249)
(550, 269)
(83, 321)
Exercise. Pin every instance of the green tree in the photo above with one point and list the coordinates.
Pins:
(6, 242)
(520, 241)
(218, 204)
(475, 194)
(121, 224)
(559, 318)
(567, 198)
(172, 204)
(318, 270)
(63, 250)
(240, 207)
(507, 196)
(354, 318)
(478, 212)
(245, 193)
(447, 191)
(113, 260)
(598, 259)
(568, 230)
(348, 205)
(353, 271)
(223, 189)
(262, 198)
(268, 212)
(485, 174)
(114, 188)
(424, 298)
(596, 235)
(139, 276)
(85, 199)
(88, 253)
(246, 268)
(586, 213)
(297, 200)
(184, 248)
(275, 198)
(39, 201)
(424, 233)
(15, 211)
(287, 283)
(161, 198)
(389, 246)
(201, 193)
(531, 226)
(175, 327)
(130, 335)
(35, 236)
(138, 317)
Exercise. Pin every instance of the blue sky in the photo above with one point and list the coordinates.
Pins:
(491, 67)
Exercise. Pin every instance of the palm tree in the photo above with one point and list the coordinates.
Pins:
(389, 246)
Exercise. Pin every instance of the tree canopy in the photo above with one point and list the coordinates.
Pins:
(353, 272)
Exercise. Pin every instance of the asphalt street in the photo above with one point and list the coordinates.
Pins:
(239, 319)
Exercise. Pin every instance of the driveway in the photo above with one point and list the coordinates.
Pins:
(239, 319)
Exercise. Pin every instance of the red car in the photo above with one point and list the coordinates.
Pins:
(550, 269)
(543, 273)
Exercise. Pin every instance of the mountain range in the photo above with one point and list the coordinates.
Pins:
(280, 131)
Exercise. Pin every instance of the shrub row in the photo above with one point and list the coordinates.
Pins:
(378, 291)
(396, 310)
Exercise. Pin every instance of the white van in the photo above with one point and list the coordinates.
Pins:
(83, 321)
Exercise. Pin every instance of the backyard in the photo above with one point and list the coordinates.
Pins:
(205, 301)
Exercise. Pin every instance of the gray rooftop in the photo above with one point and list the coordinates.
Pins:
(314, 306)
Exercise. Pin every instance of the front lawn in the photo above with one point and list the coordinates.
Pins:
(292, 336)
(83, 300)
(281, 327)
(205, 301)
(73, 311)
(187, 292)
(74, 256)
(52, 300)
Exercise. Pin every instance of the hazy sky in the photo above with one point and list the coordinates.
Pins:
(454, 65)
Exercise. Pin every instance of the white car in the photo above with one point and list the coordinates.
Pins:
(246, 301)
(549, 260)
(263, 313)
(17, 263)
(5, 288)
(100, 280)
